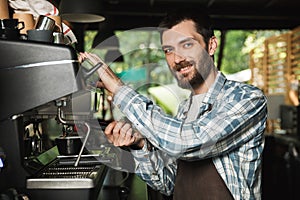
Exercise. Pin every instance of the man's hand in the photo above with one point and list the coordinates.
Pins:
(108, 79)
(121, 134)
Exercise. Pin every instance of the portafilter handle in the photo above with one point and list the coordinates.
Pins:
(85, 73)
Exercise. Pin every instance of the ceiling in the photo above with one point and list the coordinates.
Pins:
(226, 14)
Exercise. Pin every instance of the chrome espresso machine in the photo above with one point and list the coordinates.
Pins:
(40, 83)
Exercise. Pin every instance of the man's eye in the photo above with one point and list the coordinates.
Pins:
(188, 45)
(167, 50)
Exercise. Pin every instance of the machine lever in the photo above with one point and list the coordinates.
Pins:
(85, 73)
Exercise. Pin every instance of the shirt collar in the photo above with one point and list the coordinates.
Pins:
(211, 96)
(215, 89)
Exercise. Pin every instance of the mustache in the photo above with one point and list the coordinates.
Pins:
(182, 64)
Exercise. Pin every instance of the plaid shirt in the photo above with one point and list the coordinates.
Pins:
(229, 128)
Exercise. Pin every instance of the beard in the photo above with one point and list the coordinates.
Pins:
(190, 81)
(193, 79)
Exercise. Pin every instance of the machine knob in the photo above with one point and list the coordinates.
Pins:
(123, 193)
(2, 159)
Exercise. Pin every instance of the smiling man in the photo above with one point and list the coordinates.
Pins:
(212, 148)
(186, 55)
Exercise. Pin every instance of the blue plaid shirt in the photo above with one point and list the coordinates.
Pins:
(229, 129)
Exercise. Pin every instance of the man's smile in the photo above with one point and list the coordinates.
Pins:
(184, 68)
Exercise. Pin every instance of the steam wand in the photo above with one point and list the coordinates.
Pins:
(60, 118)
(68, 122)
(83, 144)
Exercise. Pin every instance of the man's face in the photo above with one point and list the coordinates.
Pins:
(186, 54)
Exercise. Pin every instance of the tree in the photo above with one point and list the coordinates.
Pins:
(234, 58)
(238, 45)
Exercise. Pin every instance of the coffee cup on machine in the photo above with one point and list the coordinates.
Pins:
(10, 29)
(45, 23)
(58, 38)
(40, 35)
(58, 23)
(28, 20)
(12, 24)
(4, 11)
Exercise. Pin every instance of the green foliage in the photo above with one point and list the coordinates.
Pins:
(88, 39)
(140, 47)
(238, 45)
(234, 58)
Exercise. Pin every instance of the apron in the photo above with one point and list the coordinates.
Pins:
(199, 180)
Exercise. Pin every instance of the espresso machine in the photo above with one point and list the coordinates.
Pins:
(40, 83)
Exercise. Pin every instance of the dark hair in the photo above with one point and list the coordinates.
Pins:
(201, 19)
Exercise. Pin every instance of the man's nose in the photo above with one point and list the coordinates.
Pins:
(178, 57)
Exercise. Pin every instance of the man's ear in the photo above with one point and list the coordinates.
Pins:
(212, 45)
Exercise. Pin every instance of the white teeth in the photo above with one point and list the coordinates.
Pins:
(185, 68)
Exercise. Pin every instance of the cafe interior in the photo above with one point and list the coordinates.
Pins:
(52, 116)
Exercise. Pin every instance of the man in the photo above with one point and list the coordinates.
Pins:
(212, 148)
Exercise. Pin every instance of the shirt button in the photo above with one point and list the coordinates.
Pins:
(119, 105)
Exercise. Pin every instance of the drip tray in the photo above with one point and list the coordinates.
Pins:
(84, 159)
(57, 176)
